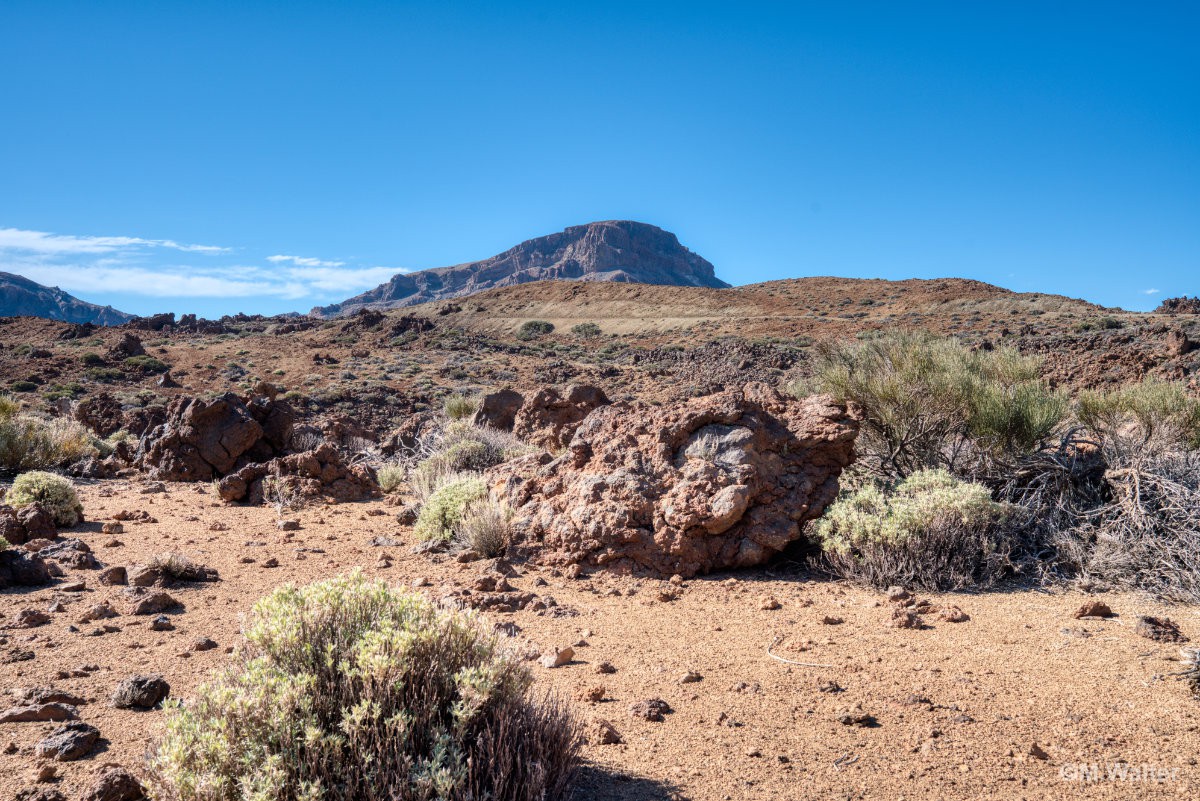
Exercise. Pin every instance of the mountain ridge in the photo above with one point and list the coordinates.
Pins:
(622, 251)
(21, 297)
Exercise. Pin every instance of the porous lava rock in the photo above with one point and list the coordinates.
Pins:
(319, 472)
(18, 568)
(499, 409)
(204, 439)
(549, 418)
(712, 483)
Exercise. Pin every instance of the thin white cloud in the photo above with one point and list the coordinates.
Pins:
(63, 244)
(119, 265)
(302, 261)
(1150, 291)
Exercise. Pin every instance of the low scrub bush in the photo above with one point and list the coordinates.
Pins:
(457, 447)
(931, 531)
(930, 402)
(4, 545)
(390, 476)
(534, 329)
(146, 364)
(485, 528)
(460, 407)
(447, 505)
(28, 442)
(55, 493)
(586, 330)
(348, 690)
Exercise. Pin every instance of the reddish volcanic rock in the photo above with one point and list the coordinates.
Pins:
(717, 482)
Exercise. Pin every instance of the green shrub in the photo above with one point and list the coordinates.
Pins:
(23, 386)
(446, 506)
(1099, 324)
(460, 407)
(146, 364)
(1139, 415)
(347, 690)
(534, 329)
(390, 476)
(931, 531)
(55, 493)
(930, 402)
(104, 375)
(4, 545)
(586, 330)
(458, 447)
(28, 442)
(91, 360)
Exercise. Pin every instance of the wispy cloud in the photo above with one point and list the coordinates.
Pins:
(121, 265)
(61, 244)
(1150, 291)
(303, 261)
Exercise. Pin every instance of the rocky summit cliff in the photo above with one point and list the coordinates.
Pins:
(620, 250)
(20, 297)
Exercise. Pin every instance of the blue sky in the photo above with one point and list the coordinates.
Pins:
(265, 157)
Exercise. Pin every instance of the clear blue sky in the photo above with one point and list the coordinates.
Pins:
(156, 155)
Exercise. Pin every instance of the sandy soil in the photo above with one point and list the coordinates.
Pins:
(958, 707)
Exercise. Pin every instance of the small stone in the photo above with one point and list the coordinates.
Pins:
(113, 528)
(101, 611)
(69, 742)
(161, 623)
(468, 555)
(115, 784)
(113, 544)
(592, 695)
(39, 713)
(691, 677)
(203, 644)
(952, 614)
(140, 692)
(605, 667)
(831, 620)
(218, 526)
(1094, 609)
(46, 774)
(112, 576)
(288, 525)
(855, 716)
(558, 658)
(1037, 752)
(753, 752)
(31, 618)
(651, 709)
(770, 604)
(144, 576)
(272, 562)
(604, 733)
(1159, 629)
(73, 586)
(905, 619)
(151, 603)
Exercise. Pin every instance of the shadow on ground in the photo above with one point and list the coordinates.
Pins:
(596, 783)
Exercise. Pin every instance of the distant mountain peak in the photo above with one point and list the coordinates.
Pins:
(610, 250)
(20, 297)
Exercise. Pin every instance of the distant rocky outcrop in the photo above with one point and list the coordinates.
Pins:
(619, 250)
(1184, 305)
(718, 482)
(20, 297)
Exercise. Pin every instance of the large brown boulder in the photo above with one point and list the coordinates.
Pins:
(499, 409)
(549, 418)
(319, 472)
(205, 439)
(723, 481)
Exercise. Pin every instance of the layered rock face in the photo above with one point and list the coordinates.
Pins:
(615, 250)
(724, 481)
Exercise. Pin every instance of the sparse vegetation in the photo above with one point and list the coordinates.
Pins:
(485, 528)
(460, 407)
(586, 330)
(28, 442)
(391, 476)
(930, 530)
(929, 402)
(346, 689)
(447, 505)
(54, 493)
(534, 329)
(181, 568)
(145, 364)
